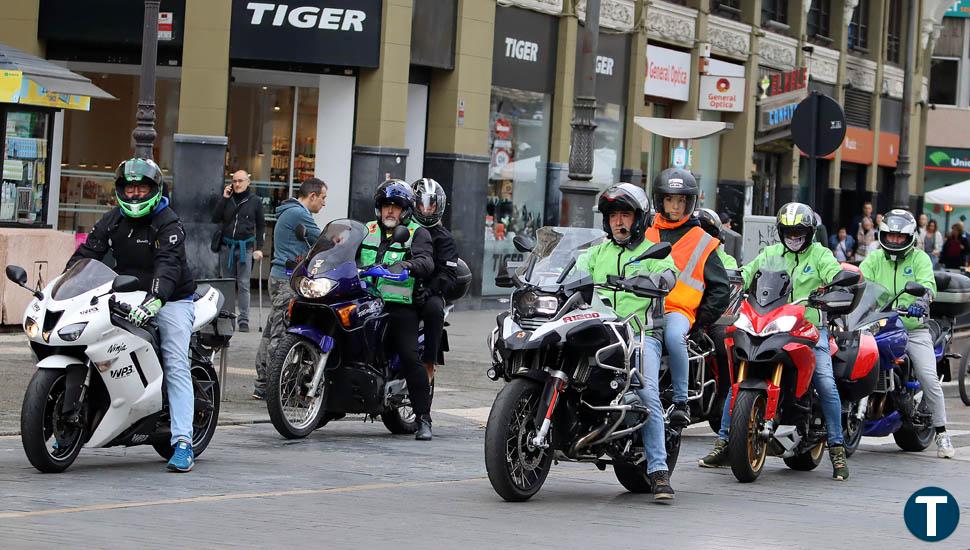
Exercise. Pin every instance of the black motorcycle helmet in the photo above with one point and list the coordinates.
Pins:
(463, 281)
(138, 171)
(430, 201)
(626, 197)
(796, 220)
(395, 192)
(897, 222)
(675, 181)
(710, 222)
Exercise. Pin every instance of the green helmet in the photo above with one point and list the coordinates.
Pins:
(143, 171)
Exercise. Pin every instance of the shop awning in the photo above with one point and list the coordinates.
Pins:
(30, 80)
(957, 194)
(682, 129)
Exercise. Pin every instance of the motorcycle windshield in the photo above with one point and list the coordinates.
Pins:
(772, 282)
(555, 249)
(873, 299)
(82, 277)
(337, 245)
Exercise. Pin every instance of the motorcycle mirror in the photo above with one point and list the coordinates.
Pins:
(846, 278)
(914, 289)
(565, 272)
(300, 231)
(17, 274)
(125, 283)
(523, 244)
(401, 234)
(655, 252)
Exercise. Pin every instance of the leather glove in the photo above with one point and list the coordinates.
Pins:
(147, 310)
(398, 267)
(917, 309)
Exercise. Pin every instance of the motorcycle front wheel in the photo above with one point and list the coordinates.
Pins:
(50, 440)
(516, 468)
(746, 449)
(205, 418)
(293, 413)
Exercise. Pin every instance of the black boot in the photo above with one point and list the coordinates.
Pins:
(660, 483)
(680, 416)
(424, 428)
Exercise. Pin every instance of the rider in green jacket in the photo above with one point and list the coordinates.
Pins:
(811, 266)
(896, 263)
(625, 211)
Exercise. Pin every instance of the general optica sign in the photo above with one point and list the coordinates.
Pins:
(668, 73)
(722, 93)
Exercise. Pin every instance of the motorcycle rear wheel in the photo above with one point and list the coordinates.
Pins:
(290, 372)
(852, 428)
(809, 460)
(634, 478)
(516, 469)
(205, 418)
(746, 450)
(964, 380)
(914, 439)
(50, 443)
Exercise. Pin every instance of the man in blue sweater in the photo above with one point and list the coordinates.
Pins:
(287, 247)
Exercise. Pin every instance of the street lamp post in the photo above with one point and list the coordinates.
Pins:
(901, 189)
(578, 193)
(144, 132)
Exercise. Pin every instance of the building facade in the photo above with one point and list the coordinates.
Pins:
(480, 97)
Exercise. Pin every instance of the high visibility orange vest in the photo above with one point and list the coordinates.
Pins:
(690, 255)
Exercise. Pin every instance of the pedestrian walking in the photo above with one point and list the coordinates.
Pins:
(933, 243)
(240, 214)
(287, 247)
(955, 249)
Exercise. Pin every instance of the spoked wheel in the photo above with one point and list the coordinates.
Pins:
(205, 387)
(402, 420)
(964, 380)
(809, 460)
(746, 448)
(50, 438)
(852, 428)
(516, 468)
(915, 438)
(294, 414)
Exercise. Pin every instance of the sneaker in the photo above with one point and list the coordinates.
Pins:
(717, 457)
(183, 459)
(944, 447)
(660, 483)
(243, 327)
(259, 394)
(680, 416)
(840, 465)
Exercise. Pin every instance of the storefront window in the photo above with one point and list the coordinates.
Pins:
(95, 142)
(608, 144)
(25, 166)
(261, 131)
(519, 143)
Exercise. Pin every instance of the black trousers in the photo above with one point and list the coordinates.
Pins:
(402, 338)
(433, 315)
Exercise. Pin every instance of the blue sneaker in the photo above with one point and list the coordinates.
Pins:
(183, 459)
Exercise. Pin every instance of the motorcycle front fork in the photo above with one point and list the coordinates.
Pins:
(550, 396)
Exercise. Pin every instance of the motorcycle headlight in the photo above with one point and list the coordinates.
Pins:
(531, 303)
(71, 333)
(547, 305)
(31, 328)
(781, 324)
(743, 323)
(316, 288)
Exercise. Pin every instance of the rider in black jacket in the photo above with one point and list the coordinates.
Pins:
(147, 241)
(430, 202)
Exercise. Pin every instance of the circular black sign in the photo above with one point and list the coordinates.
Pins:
(829, 121)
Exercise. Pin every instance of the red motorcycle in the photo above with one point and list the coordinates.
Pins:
(774, 409)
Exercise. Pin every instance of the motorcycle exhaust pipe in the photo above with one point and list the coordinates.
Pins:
(585, 441)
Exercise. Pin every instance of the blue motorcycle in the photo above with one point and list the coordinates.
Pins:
(890, 400)
(331, 361)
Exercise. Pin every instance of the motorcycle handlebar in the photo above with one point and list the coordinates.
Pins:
(382, 272)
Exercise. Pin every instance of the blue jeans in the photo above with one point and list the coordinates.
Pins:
(654, 440)
(175, 321)
(676, 328)
(828, 393)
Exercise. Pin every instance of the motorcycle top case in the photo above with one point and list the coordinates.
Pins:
(952, 295)
(855, 365)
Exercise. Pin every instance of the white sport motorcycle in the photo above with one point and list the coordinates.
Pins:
(99, 379)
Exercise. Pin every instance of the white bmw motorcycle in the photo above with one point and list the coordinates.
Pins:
(99, 378)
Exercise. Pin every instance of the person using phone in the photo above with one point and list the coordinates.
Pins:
(240, 212)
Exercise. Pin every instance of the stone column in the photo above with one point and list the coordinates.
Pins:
(562, 114)
(382, 105)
